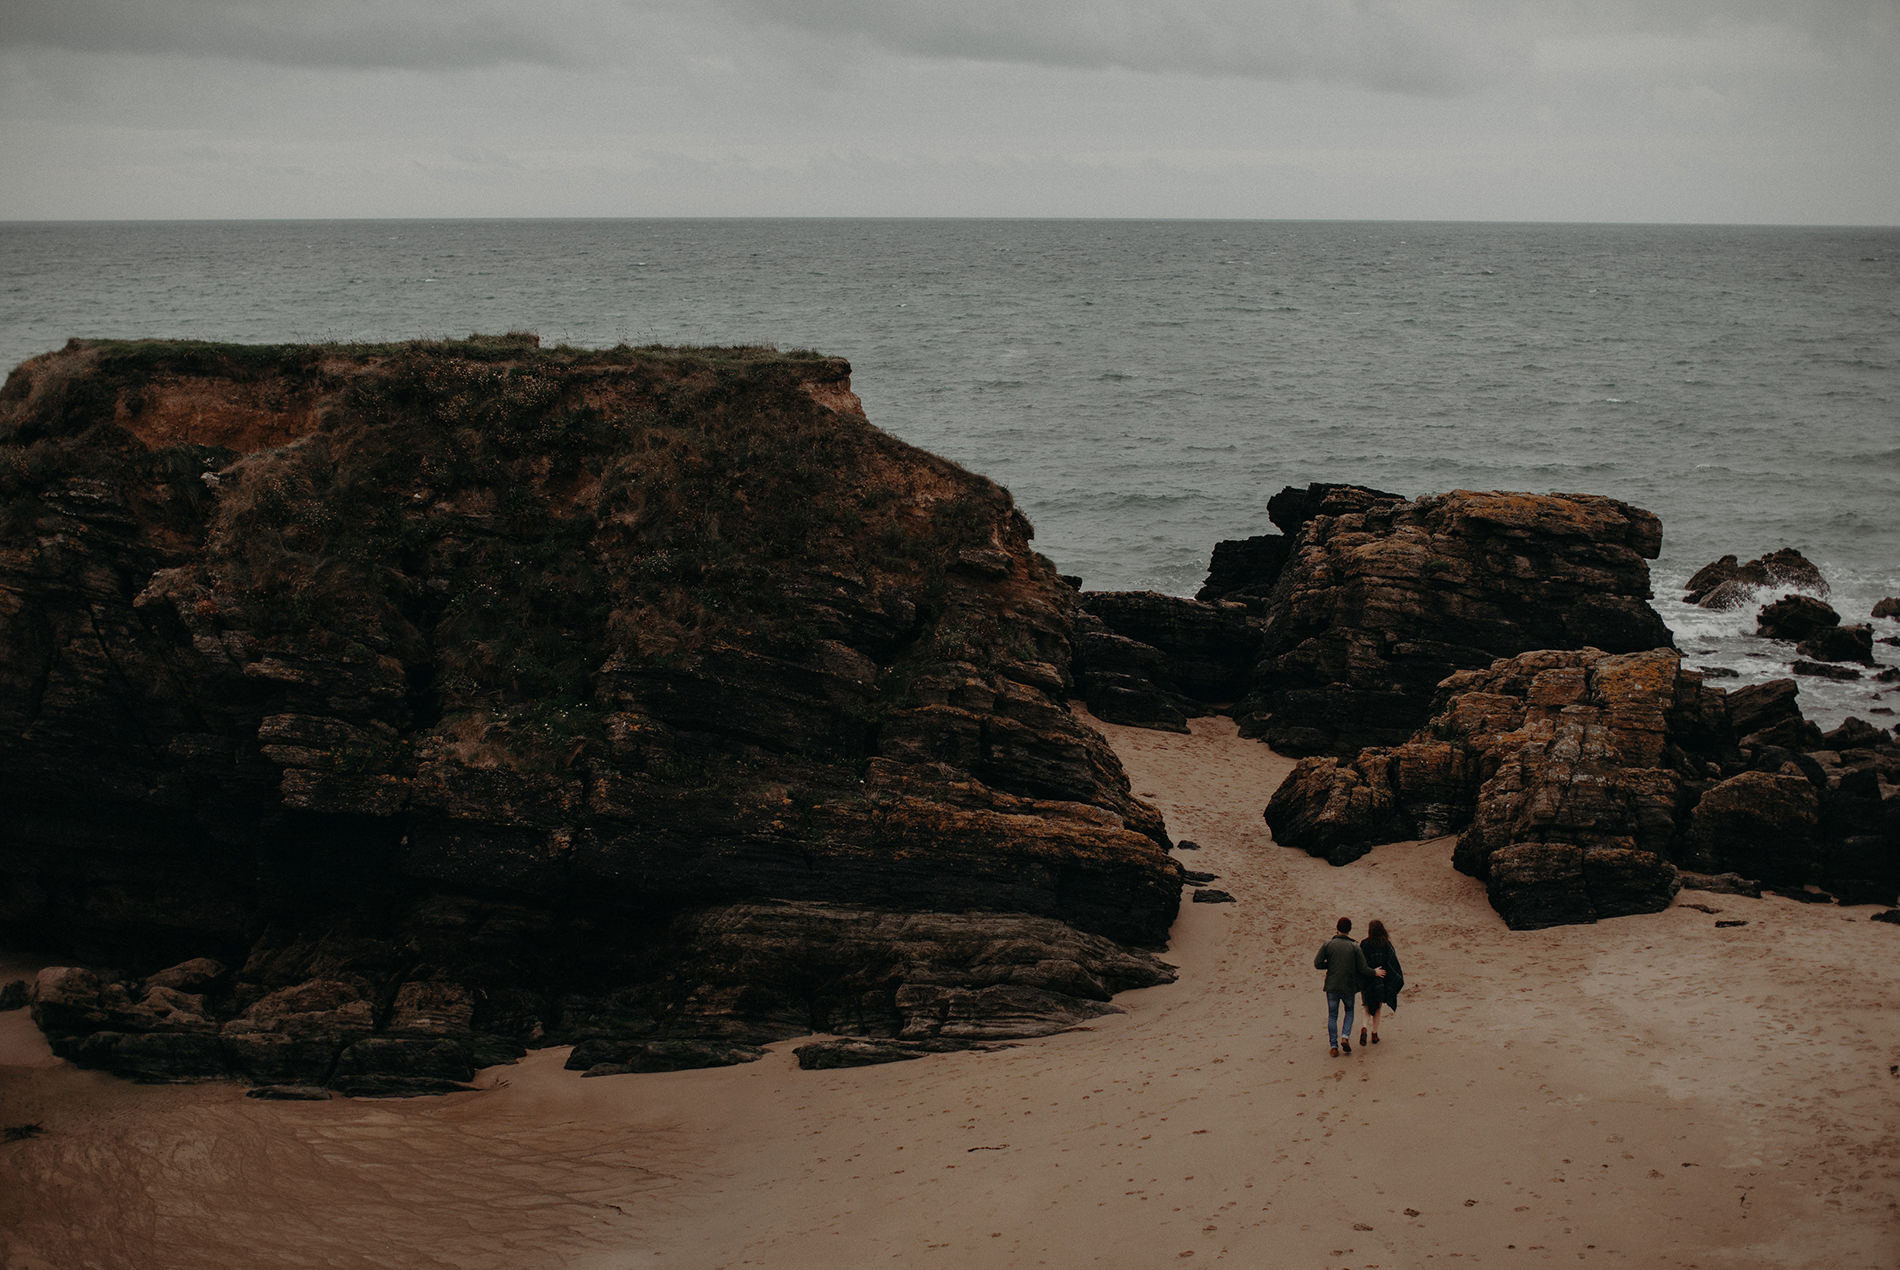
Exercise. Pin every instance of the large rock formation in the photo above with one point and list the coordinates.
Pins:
(1333, 635)
(433, 700)
(1381, 598)
(1579, 782)
(1152, 660)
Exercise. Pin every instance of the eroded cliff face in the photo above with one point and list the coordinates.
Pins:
(452, 697)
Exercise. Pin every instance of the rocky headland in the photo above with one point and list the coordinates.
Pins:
(370, 713)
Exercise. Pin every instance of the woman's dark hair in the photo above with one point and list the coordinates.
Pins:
(1375, 933)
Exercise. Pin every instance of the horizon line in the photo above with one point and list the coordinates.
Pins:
(1223, 220)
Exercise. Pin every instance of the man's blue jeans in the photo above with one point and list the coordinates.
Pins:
(1333, 1029)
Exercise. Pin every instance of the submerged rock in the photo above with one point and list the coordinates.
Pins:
(1795, 618)
(1840, 643)
(1725, 584)
(483, 691)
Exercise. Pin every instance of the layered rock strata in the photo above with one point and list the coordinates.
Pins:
(1815, 629)
(1381, 598)
(1150, 660)
(1579, 782)
(1334, 634)
(436, 700)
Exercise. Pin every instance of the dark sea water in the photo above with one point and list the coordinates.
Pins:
(1143, 387)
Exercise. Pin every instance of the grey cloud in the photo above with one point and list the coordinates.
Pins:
(1403, 45)
(1412, 46)
(319, 33)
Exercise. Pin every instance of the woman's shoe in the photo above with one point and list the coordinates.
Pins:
(1375, 1039)
(1362, 1036)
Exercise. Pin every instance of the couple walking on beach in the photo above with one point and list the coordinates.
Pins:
(1370, 969)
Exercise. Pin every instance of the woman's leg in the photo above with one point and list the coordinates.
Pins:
(1372, 1021)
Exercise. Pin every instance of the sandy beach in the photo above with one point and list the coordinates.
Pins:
(1655, 1091)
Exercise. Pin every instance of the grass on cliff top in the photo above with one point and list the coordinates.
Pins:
(140, 357)
(504, 521)
(576, 513)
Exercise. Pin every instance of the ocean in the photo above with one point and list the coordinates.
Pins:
(1143, 387)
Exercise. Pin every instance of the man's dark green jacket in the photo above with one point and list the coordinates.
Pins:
(1344, 963)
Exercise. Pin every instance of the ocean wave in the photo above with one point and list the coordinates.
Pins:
(1108, 505)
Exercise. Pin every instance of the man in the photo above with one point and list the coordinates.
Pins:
(1345, 965)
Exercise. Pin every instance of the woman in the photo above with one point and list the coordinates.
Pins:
(1377, 992)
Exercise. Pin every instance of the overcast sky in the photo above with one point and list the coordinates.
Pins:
(1644, 110)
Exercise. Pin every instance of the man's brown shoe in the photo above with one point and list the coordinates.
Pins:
(1334, 1051)
(1345, 1046)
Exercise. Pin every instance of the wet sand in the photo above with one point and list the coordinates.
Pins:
(1651, 1092)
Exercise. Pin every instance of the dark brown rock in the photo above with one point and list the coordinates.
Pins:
(1548, 883)
(1244, 570)
(1856, 734)
(1293, 508)
(1123, 680)
(1336, 809)
(1728, 585)
(1378, 604)
(159, 1057)
(1761, 825)
(1820, 670)
(1152, 660)
(1769, 714)
(480, 674)
(800, 968)
(1556, 764)
(1721, 883)
(1795, 618)
(402, 1067)
(199, 975)
(1889, 607)
(618, 1058)
(1840, 643)
(854, 1052)
(1587, 779)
